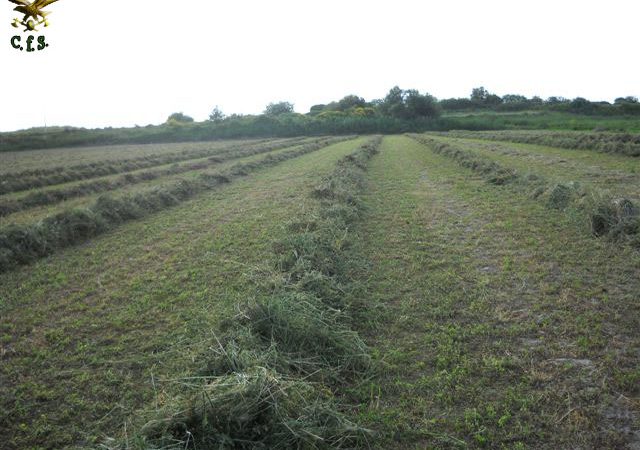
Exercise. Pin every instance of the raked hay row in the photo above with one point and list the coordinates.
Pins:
(450, 290)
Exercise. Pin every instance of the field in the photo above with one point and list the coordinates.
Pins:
(441, 290)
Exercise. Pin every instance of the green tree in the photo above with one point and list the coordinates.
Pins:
(393, 103)
(557, 100)
(418, 105)
(514, 98)
(275, 109)
(317, 109)
(179, 117)
(351, 101)
(479, 94)
(623, 100)
(216, 115)
(409, 104)
(581, 105)
(483, 98)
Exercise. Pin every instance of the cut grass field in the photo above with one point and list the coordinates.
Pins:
(21, 244)
(57, 175)
(502, 325)
(82, 194)
(614, 172)
(34, 160)
(620, 143)
(490, 320)
(88, 333)
(608, 209)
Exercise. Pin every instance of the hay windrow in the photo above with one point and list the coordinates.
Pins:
(254, 409)
(272, 371)
(605, 142)
(31, 179)
(26, 243)
(49, 197)
(608, 216)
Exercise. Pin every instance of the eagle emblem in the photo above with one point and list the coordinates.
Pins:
(33, 14)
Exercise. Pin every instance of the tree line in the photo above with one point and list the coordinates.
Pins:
(410, 104)
(399, 111)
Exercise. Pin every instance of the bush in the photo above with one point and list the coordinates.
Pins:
(179, 118)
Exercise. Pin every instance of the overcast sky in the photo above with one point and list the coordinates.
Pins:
(124, 62)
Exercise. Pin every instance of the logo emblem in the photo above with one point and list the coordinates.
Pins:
(34, 16)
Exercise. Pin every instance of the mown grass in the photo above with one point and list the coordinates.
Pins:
(603, 213)
(103, 184)
(621, 143)
(37, 213)
(29, 160)
(606, 171)
(23, 244)
(493, 321)
(94, 333)
(584, 158)
(30, 179)
(265, 383)
(502, 325)
(32, 215)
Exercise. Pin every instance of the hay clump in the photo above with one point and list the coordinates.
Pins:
(255, 409)
(616, 218)
(301, 326)
(560, 196)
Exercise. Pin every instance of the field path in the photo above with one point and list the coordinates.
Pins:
(502, 325)
(87, 334)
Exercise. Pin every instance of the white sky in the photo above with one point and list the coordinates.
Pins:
(124, 62)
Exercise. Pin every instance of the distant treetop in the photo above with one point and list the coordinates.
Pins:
(275, 109)
(179, 117)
